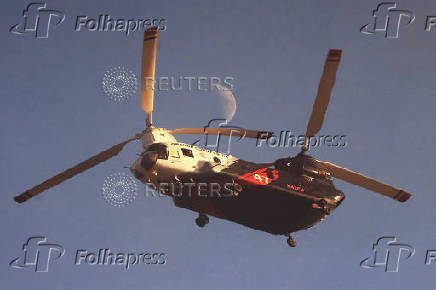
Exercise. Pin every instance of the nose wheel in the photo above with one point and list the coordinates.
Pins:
(292, 242)
(202, 220)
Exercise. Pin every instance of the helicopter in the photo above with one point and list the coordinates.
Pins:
(279, 197)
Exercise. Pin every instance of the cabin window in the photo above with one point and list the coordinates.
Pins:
(174, 153)
(187, 152)
(217, 160)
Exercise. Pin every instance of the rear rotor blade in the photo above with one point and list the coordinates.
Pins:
(224, 131)
(148, 71)
(326, 84)
(79, 168)
(364, 181)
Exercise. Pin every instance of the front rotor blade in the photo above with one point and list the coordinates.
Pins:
(148, 70)
(61, 177)
(224, 131)
(326, 84)
(364, 181)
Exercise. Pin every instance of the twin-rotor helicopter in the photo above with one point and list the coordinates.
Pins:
(280, 197)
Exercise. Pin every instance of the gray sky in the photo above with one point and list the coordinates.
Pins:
(54, 114)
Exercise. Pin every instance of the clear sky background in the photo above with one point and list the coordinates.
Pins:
(54, 114)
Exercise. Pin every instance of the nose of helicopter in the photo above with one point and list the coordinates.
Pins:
(338, 198)
(149, 160)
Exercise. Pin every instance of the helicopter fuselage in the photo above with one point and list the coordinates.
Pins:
(277, 200)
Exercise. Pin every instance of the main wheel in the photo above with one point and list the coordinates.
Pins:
(292, 242)
(202, 220)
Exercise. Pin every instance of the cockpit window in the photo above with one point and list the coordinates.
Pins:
(160, 149)
(187, 152)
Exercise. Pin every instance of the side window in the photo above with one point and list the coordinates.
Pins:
(174, 153)
(187, 152)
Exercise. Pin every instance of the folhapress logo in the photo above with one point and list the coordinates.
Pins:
(388, 19)
(215, 145)
(38, 254)
(37, 19)
(387, 253)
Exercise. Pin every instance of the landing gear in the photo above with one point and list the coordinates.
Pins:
(292, 242)
(236, 188)
(202, 220)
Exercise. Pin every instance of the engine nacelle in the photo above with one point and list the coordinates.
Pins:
(301, 164)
